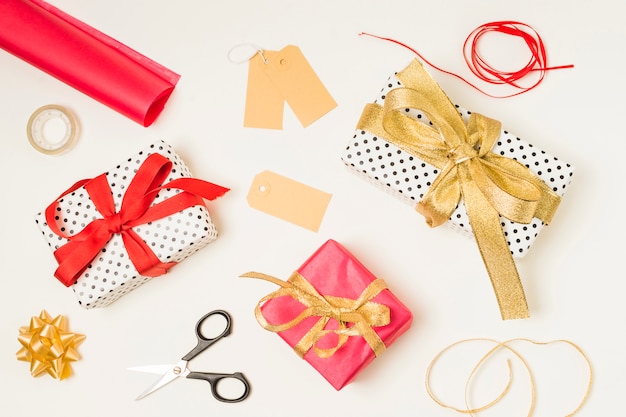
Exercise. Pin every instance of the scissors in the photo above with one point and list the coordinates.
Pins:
(171, 372)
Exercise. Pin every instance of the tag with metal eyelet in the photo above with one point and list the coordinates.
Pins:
(276, 77)
(289, 200)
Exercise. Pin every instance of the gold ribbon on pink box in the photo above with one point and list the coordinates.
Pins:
(362, 314)
(489, 184)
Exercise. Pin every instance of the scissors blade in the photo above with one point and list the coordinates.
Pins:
(173, 372)
(151, 369)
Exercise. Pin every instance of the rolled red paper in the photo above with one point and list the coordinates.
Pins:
(86, 59)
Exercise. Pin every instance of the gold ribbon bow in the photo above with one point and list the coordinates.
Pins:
(49, 346)
(490, 185)
(362, 313)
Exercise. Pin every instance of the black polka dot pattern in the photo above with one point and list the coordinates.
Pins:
(408, 177)
(172, 239)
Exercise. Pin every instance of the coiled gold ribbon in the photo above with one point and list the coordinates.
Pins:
(490, 185)
(497, 346)
(355, 317)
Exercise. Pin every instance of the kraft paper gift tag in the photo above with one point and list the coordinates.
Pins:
(278, 76)
(289, 200)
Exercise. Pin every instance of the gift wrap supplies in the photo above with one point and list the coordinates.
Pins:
(461, 169)
(112, 233)
(334, 313)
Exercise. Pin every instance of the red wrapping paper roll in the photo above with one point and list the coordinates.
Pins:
(85, 59)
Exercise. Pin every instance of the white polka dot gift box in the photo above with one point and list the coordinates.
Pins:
(461, 169)
(112, 233)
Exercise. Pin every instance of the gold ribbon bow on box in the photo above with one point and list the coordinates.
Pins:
(362, 313)
(489, 184)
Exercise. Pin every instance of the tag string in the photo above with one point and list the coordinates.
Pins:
(478, 65)
(253, 50)
(497, 346)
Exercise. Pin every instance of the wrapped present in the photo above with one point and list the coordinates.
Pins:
(461, 169)
(334, 313)
(112, 233)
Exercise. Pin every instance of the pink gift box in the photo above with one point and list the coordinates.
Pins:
(334, 271)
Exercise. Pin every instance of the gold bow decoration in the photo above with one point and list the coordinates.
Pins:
(355, 317)
(49, 346)
(490, 185)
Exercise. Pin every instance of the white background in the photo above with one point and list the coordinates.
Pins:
(573, 276)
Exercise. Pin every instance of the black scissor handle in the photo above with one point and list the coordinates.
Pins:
(205, 342)
(214, 379)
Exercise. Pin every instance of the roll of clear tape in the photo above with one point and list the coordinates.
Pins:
(42, 142)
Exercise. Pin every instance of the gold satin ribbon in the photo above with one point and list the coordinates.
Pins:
(362, 313)
(489, 184)
(49, 346)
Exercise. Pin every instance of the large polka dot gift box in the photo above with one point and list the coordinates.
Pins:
(112, 233)
(409, 141)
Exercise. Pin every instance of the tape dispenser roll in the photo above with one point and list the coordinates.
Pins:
(45, 142)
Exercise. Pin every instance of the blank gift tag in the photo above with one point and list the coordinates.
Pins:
(278, 76)
(289, 200)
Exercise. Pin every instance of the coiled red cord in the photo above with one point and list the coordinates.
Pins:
(537, 62)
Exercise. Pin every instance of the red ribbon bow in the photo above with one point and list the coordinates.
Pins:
(136, 209)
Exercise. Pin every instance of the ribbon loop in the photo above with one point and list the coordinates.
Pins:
(137, 207)
(489, 185)
(355, 317)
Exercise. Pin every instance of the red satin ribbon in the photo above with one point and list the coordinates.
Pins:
(136, 209)
(537, 62)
